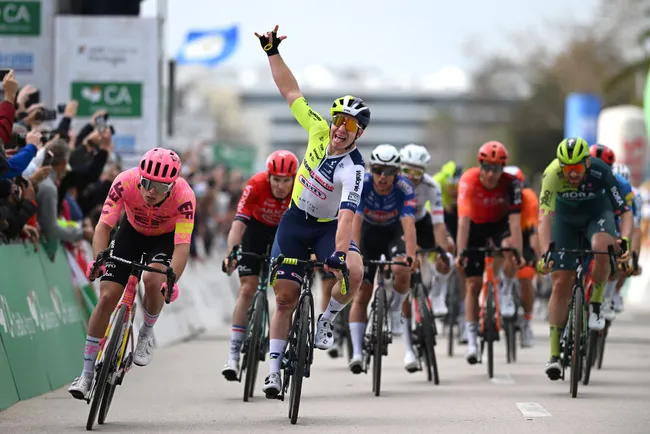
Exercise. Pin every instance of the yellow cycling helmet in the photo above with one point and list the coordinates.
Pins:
(572, 150)
(353, 106)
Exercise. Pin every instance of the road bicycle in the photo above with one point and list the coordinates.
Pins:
(112, 362)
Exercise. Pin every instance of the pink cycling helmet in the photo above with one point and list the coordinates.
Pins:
(160, 165)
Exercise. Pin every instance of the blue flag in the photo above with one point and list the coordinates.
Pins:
(208, 47)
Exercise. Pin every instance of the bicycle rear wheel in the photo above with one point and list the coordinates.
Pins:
(452, 314)
(601, 344)
(252, 356)
(592, 346)
(380, 339)
(511, 341)
(490, 326)
(428, 342)
(302, 341)
(107, 368)
(576, 351)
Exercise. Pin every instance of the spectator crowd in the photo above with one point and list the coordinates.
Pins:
(53, 180)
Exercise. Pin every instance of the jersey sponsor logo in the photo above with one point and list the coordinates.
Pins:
(357, 180)
(116, 192)
(311, 187)
(411, 202)
(353, 197)
(546, 198)
(380, 216)
(186, 210)
(243, 198)
(404, 186)
(617, 196)
(577, 195)
(596, 173)
(325, 184)
(314, 115)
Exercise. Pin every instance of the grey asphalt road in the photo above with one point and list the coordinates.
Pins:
(182, 391)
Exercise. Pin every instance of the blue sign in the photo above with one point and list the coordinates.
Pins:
(19, 62)
(124, 144)
(581, 116)
(208, 47)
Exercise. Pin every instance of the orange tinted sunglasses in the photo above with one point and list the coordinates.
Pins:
(350, 123)
(578, 168)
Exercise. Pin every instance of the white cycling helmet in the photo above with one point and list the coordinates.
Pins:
(415, 155)
(385, 155)
(621, 169)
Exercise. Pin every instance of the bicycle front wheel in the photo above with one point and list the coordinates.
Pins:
(576, 355)
(252, 357)
(380, 339)
(490, 328)
(299, 365)
(428, 341)
(108, 363)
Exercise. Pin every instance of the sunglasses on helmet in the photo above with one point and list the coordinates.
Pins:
(160, 187)
(350, 123)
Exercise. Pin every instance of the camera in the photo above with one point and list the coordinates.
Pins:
(45, 115)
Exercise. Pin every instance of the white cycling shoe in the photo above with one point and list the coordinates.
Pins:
(596, 321)
(356, 364)
(230, 370)
(324, 336)
(80, 387)
(411, 362)
(143, 350)
(396, 322)
(272, 385)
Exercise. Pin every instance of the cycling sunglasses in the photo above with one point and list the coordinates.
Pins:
(569, 169)
(487, 167)
(413, 172)
(384, 170)
(350, 123)
(160, 187)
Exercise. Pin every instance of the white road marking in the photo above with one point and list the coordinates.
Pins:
(532, 409)
(502, 379)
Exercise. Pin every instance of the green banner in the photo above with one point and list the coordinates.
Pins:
(8, 392)
(236, 156)
(41, 323)
(20, 18)
(119, 99)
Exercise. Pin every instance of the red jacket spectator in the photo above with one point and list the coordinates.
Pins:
(7, 118)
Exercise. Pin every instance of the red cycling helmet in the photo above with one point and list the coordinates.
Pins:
(603, 152)
(160, 165)
(282, 163)
(493, 152)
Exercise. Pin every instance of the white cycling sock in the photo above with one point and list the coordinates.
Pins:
(472, 333)
(237, 336)
(276, 354)
(398, 300)
(90, 354)
(333, 308)
(610, 289)
(357, 331)
(406, 329)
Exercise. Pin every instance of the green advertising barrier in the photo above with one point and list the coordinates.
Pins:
(41, 323)
(8, 392)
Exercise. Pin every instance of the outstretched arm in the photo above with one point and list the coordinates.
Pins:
(282, 75)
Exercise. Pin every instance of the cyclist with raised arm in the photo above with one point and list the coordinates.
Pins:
(326, 193)
(384, 215)
(261, 206)
(580, 198)
(489, 207)
(159, 220)
(531, 252)
(430, 231)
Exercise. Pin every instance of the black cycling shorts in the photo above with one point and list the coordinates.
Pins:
(258, 239)
(424, 232)
(377, 240)
(479, 234)
(130, 244)
(451, 221)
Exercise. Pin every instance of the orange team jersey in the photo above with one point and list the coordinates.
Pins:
(257, 202)
(529, 210)
(488, 206)
(174, 214)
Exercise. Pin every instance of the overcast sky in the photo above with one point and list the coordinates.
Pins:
(414, 36)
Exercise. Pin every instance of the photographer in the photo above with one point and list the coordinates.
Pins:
(47, 198)
(17, 205)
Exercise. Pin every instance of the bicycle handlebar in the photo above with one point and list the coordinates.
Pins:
(438, 250)
(280, 260)
(385, 262)
(492, 250)
(236, 253)
(611, 252)
(105, 255)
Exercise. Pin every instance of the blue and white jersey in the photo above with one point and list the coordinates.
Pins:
(386, 209)
(637, 206)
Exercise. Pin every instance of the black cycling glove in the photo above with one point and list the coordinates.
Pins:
(270, 45)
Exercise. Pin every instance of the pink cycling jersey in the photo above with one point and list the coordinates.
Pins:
(175, 213)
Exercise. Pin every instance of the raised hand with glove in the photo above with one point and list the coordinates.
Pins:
(270, 41)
